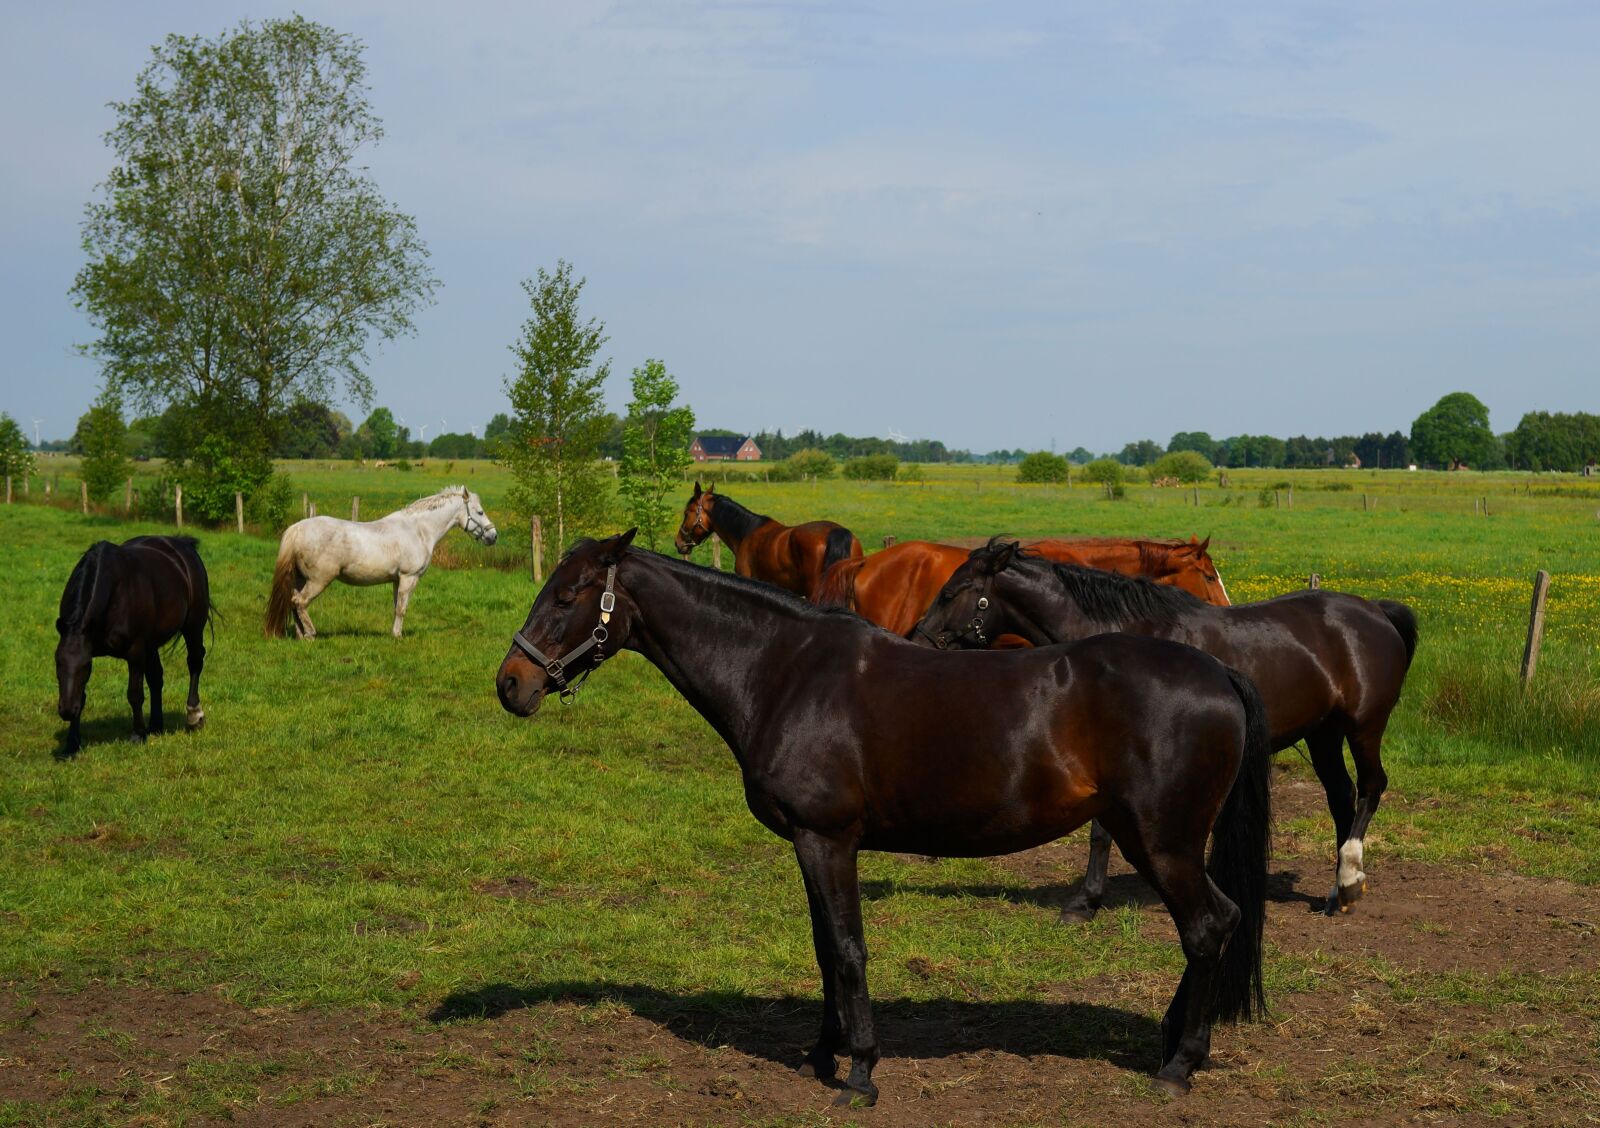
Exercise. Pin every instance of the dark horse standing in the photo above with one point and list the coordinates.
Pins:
(852, 739)
(1329, 666)
(794, 557)
(125, 601)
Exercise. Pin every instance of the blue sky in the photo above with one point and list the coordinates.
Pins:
(995, 225)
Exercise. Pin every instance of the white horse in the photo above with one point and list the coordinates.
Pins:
(395, 549)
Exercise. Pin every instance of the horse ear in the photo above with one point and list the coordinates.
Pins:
(697, 490)
(1000, 557)
(611, 551)
(712, 488)
(1200, 549)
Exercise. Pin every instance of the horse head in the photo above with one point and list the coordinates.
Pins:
(1192, 569)
(474, 520)
(696, 524)
(968, 612)
(580, 615)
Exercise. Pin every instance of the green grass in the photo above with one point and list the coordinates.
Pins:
(346, 828)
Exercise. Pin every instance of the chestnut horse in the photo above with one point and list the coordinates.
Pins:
(794, 557)
(851, 739)
(1330, 667)
(894, 587)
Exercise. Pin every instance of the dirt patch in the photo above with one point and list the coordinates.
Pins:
(1342, 1047)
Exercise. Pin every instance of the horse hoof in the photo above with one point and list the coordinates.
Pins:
(196, 720)
(1173, 1086)
(1077, 914)
(1350, 894)
(856, 1098)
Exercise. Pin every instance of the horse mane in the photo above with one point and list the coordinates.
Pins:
(85, 595)
(1114, 599)
(771, 595)
(1109, 598)
(740, 520)
(444, 497)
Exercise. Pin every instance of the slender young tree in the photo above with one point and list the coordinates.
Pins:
(655, 450)
(105, 446)
(240, 257)
(16, 459)
(558, 416)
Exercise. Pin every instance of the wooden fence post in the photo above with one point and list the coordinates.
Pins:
(1197, 497)
(889, 541)
(1291, 497)
(83, 497)
(238, 510)
(47, 491)
(1277, 500)
(177, 503)
(313, 509)
(27, 482)
(355, 508)
(1486, 507)
(536, 540)
(8, 489)
(1476, 507)
(1530, 653)
(1363, 503)
(305, 505)
(1314, 581)
(716, 549)
(127, 497)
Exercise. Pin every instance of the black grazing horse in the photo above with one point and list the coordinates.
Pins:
(851, 739)
(124, 601)
(1329, 667)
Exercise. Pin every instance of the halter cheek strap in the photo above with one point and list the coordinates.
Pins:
(942, 639)
(555, 668)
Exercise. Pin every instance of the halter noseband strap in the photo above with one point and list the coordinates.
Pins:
(942, 639)
(555, 668)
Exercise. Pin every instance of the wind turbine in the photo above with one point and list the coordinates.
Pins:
(36, 423)
(422, 429)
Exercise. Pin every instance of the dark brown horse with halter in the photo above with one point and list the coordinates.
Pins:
(1330, 667)
(851, 739)
(793, 557)
(894, 587)
(125, 601)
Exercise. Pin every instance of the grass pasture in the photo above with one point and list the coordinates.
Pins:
(364, 894)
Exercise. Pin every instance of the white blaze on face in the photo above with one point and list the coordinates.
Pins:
(1350, 859)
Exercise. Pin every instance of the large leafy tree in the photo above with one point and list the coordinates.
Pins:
(558, 416)
(1455, 432)
(239, 258)
(655, 449)
(16, 460)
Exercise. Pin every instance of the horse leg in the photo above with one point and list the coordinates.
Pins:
(1366, 746)
(136, 696)
(820, 1062)
(195, 642)
(301, 602)
(156, 676)
(1327, 758)
(1086, 900)
(403, 587)
(1205, 919)
(830, 867)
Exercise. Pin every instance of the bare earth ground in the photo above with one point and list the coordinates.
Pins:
(1345, 1050)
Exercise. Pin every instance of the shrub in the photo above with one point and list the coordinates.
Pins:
(911, 472)
(1187, 466)
(1105, 470)
(271, 504)
(1042, 466)
(812, 463)
(872, 468)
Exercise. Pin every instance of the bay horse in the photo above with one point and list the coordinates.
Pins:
(126, 601)
(851, 739)
(793, 557)
(395, 549)
(894, 587)
(1330, 667)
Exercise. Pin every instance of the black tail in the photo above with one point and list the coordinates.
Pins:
(1405, 621)
(840, 545)
(1240, 847)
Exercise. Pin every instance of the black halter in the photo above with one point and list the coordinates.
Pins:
(942, 639)
(555, 668)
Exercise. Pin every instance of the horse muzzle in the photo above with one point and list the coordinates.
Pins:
(520, 685)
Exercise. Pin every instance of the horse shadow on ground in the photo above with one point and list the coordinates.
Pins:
(109, 730)
(782, 1029)
(1123, 889)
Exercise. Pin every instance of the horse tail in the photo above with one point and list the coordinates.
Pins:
(840, 545)
(837, 587)
(284, 575)
(1405, 621)
(1242, 841)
